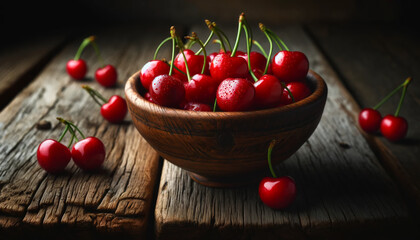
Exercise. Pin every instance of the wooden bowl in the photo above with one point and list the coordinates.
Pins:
(224, 149)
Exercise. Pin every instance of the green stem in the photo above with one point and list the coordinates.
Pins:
(186, 65)
(248, 51)
(73, 133)
(63, 133)
(205, 43)
(270, 150)
(82, 46)
(211, 26)
(195, 38)
(93, 93)
(238, 35)
(77, 129)
(98, 53)
(260, 47)
(69, 127)
(406, 83)
(215, 105)
(179, 70)
(288, 90)
(278, 38)
(225, 38)
(171, 68)
(160, 45)
(270, 53)
(71, 140)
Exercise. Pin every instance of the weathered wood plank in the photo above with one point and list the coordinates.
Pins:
(384, 59)
(20, 63)
(343, 192)
(117, 199)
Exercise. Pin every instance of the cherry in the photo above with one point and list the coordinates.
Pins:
(258, 61)
(53, 156)
(195, 64)
(268, 91)
(151, 70)
(370, 120)
(76, 68)
(113, 110)
(200, 107)
(224, 66)
(290, 66)
(394, 128)
(201, 88)
(277, 193)
(148, 97)
(88, 153)
(235, 94)
(167, 91)
(106, 76)
(299, 91)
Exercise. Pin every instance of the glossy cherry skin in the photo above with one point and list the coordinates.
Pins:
(151, 70)
(167, 91)
(198, 107)
(53, 156)
(290, 66)
(195, 64)
(106, 76)
(201, 88)
(370, 120)
(235, 94)
(88, 153)
(224, 66)
(277, 193)
(76, 69)
(148, 97)
(268, 92)
(115, 109)
(394, 128)
(299, 91)
(258, 61)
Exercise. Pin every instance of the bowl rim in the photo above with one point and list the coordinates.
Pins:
(137, 99)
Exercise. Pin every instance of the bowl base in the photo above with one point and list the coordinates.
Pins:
(226, 182)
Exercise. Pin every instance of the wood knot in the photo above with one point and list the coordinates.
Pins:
(43, 125)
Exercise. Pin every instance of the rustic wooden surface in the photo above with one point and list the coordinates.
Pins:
(20, 62)
(343, 191)
(384, 60)
(118, 198)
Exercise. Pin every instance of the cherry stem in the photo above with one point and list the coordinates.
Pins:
(194, 38)
(180, 45)
(71, 140)
(270, 150)
(160, 45)
(238, 35)
(173, 37)
(264, 30)
(205, 43)
(63, 133)
(212, 27)
(406, 83)
(223, 35)
(215, 105)
(248, 45)
(71, 126)
(288, 90)
(82, 46)
(256, 43)
(94, 94)
(98, 53)
(277, 38)
(175, 67)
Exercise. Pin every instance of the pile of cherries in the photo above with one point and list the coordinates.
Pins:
(392, 127)
(228, 80)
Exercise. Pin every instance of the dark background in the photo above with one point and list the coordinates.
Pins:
(26, 19)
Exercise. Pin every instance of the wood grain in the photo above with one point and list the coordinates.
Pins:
(115, 200)
(388, 57)
(343, 192)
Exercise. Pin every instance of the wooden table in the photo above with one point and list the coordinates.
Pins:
(350, 184)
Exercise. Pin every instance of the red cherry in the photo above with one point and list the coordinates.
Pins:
(148, 97)
(195, 64)
(277, 193)
(258, 61)
(167, 91)
(88, 153)
(106, 76)
(115, 109)
(53, 156)
(268, 91)
(201, 88)
(290, 66)
(151, 70)
(76, 69)
(394, 128)
(235, 94)
(199, 107)
(299, 91)
(370, 120)
(224, 66)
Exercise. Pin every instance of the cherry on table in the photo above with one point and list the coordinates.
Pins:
(88, 153)
(370, 120)
(76, 68)
(394, 128)
(53, 156)
(106, 76)
(235, 94)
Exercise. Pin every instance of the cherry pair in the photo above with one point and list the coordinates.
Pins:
(77, 67)
(276, 192)
(113, 110)
(87, 153)
(392, 127)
